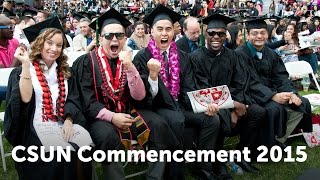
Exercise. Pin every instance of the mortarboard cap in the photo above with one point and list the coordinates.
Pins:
(6, 12)
(295, 18)
(29, 13)
(32, 32)
(315, 18)
(217, 21)
(112, 16)
(64, 19)
(87, 15)
(161, 13)
(10, 1)
(274, 18)
(19, 2)
(256, 23)
(77, 16)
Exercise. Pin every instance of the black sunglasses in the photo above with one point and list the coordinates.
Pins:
(213, 33)
(109, 36)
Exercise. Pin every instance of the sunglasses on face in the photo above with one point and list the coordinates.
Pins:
(213, 33)
(11, 28)
(109, 36)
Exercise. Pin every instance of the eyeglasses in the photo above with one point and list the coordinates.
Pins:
(213, 33)
(256, 33)
(109, 36)
(11, 28)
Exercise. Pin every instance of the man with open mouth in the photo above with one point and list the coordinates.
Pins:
(168, 76)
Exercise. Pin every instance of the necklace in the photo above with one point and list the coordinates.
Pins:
(47, 105)
(115, 87)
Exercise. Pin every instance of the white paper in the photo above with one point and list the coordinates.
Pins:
(219, 95)
(314, 99)
(50, 134)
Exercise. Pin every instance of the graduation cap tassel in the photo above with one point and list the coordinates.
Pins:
(244, 33)
(201, 38)
(97, 32)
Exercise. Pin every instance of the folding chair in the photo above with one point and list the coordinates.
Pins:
(72, 56)
(299, 68)
(3, 154)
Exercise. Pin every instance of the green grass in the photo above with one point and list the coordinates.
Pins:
(273, 171)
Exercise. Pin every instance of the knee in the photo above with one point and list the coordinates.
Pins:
(273, 107)
(212, 121)
(105, 136)
(257, 112)
(178, 121)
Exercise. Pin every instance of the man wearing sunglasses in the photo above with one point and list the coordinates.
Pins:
(216, 65)
(110, 87)
(8, 44)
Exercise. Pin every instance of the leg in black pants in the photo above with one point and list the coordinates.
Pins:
(175, 119)
(208, 130)
(161, 138)
(250, 127)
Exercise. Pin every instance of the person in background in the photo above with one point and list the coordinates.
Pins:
(234, 37)
(85, 38)
(24, 22)
(138, 40)
(42, 15)
(8, 44)
(189, 42)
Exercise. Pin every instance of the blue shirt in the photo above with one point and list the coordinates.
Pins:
(192, 45)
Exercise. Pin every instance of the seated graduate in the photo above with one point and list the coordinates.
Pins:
(41, 96)
(168, 77)
(274, 91)
(216, 65)
(110, 87)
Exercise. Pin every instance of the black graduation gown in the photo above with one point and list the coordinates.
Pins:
(19, 130)
(104, 134)
(224, 69)
(183, 45)
(164, 99)
(269, 77)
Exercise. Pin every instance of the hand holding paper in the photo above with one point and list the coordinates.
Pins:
(219, 95)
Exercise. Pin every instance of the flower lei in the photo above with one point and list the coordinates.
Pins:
(173, 81)
(116, 93)
(47, 109)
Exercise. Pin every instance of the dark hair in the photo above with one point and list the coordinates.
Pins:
(137, 23)
(294, 35)
(270, 29)
(233, 31)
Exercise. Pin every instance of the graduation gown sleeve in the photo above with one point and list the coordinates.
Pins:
(73, 104)
(82, 68)
(18, 115)
(187, 81)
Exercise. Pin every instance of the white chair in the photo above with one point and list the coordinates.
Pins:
(300, 68)
(3, 154)
(74, 56)
(4, 77)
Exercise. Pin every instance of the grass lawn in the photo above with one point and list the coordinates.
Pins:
(270, 170)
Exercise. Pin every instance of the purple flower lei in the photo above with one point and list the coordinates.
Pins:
(171, 82)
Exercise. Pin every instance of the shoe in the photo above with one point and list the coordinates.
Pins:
(247, 167)
(202, 174)
(281, 145)
(221, 171)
